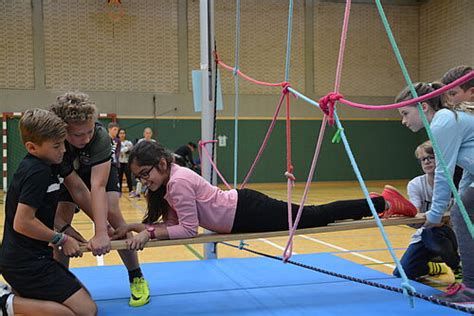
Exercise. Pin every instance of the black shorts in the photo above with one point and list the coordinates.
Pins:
(111, 186)
(43, 279)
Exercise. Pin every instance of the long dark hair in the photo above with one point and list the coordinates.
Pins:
(148, 153)
(422, 88)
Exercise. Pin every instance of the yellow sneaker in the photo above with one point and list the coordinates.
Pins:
(140, 292)
(437, 268)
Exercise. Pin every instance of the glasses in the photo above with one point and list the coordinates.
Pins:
(426, 159)
(144, 175)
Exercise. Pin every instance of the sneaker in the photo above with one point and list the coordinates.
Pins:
(398, 205)
(458, 274)
(134, 195)
(457, 293)
(373, 195)
(435, 268)
(140, 292)
(6, 300)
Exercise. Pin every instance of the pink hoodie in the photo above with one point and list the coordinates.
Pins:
(195, 202)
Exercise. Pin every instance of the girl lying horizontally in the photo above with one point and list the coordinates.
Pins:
(180, 200)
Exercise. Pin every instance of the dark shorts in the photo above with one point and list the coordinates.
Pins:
(44, 279)
(111, 186)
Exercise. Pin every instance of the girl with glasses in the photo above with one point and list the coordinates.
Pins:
(428, 244)
(180, 200)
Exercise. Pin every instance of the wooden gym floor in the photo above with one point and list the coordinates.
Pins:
(363, 246)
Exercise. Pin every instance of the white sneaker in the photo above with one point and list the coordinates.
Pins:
(4, 289)
(6, 300)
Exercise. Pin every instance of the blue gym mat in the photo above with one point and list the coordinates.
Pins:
(255, 286)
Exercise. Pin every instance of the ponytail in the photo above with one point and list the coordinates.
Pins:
(437, 103)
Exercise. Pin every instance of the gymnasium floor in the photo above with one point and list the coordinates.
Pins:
(259, 285)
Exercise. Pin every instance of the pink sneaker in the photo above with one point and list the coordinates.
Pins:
(457, 293)
(399, 205)
(374, 195)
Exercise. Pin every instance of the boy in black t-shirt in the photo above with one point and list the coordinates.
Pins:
(42, 284)
(88, 160)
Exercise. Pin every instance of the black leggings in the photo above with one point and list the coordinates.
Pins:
(125, 169)
(257, 212)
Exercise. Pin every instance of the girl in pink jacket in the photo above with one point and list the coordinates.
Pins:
(180, 200)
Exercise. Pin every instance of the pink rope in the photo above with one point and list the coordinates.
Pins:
(342, 46)
(265, 141)
(202, 145)
(289, 168)
(422, 98)
(289, 245)
(327, 118)
(241, 74)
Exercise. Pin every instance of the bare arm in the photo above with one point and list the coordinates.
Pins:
(139, 241)
(160, 231)
(99, 176)
(79, 192)
(26, 223)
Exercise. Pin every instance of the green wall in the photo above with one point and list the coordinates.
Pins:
(383, 149)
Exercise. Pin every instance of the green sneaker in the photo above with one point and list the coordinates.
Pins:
(458, 274)
(140, 292)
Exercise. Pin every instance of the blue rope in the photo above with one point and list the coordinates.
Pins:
(288, 42)
(405, 283)
(236, 86)
(439, 156)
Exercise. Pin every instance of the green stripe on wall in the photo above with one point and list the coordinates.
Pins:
(383, 149)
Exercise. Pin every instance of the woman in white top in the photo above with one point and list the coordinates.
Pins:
(147, 136)
(125, 148)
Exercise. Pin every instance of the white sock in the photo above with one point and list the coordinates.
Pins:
(9, 305)
(138, 190)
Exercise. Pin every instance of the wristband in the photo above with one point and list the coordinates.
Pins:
(56, 238)
(64, 228)
(63, 240)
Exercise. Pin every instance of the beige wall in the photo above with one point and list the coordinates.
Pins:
(446, 36)
(49, 46)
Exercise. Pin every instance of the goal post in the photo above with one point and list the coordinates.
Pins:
(13, 150)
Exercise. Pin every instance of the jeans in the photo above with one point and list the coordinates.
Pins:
(435, 242)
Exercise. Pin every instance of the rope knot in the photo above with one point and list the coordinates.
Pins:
(285, 85)
(290, 176)
(216, 56)
(327, 104)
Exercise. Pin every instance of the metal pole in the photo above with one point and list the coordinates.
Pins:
(206, 8)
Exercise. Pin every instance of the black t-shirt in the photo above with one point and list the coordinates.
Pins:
(97, 151)
(35, 183)
(186, 153)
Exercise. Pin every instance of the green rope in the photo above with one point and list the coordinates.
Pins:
(337, 136)
(439, 157)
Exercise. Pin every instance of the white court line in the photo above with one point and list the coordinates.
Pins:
(100, 260)
(275, 245)
(346, 250)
